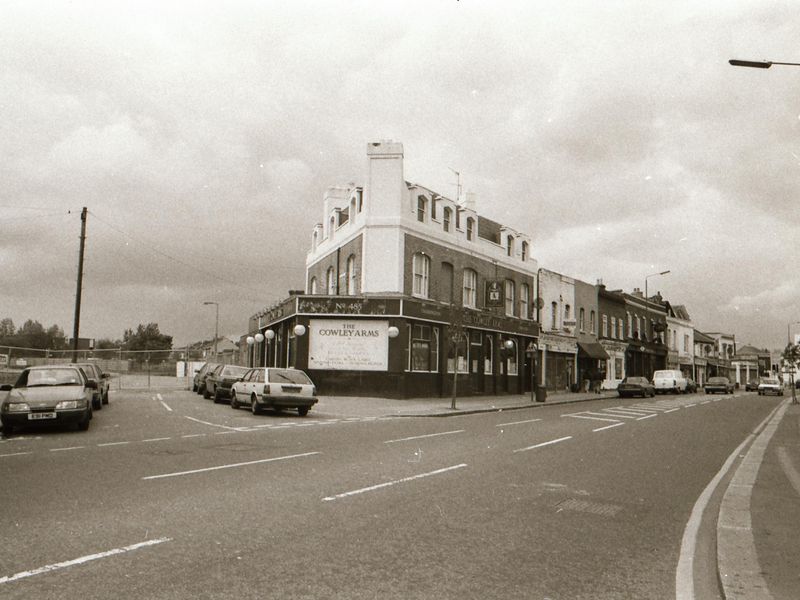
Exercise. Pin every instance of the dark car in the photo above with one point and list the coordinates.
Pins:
(752, 385)
(49, 394)
(691, 386)
(721, 385)
(220, 381)
(635, 386)
(199, 382)
(94, 373)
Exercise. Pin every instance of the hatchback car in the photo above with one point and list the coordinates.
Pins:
(49, 394)
(769, 385)
(220, 381)
(199, 381)
(268, 387)
(94, 373)
(636, 386)
(720, 385)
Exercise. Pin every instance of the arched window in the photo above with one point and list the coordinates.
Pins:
(524, 251)
(524, 301)
(470, 229)
(421, 269)
(582, 319)
(554, 315)
(313, 286)
(510, 296)
(422, 206)
(352, 280)
(630, 325)
(567, 312)
(448, 216)
(470, 292)
(510, 245)
(592, 323)
(331, 281)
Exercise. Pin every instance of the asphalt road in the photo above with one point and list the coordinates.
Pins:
(173, 496)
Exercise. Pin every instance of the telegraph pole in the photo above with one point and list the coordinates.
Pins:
(77, 322)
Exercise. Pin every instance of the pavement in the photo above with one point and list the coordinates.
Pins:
(758, 557)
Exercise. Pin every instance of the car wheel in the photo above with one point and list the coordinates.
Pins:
(83, 425)
(206, 393)
(254, 406)
(217, 398)
(8, 429)
(105, 398)
(97, 403)
(201, 389)
(302, 411)
(234, 401)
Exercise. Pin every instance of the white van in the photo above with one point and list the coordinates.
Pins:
(669, 381)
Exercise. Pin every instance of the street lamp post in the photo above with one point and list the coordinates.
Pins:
(647, 301)
(216, 324)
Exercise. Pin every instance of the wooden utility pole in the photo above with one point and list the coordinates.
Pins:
(77, 323)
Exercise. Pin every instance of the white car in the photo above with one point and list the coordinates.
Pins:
(769, 385)
(670, 380)
(276, 388)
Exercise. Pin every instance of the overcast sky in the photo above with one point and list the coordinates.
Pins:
(201, 136)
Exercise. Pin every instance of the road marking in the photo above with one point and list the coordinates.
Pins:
(691, 405)
(211, 424)
(563, 439)
(64, 449)
(585, 416)
(113, 444)
(626, 411)
(191, 435)
(164, 404)
(789, 469)
(671, 410)
(157, 439)
(607, 427)
(518, 422)
(706, 402)
(231, 466)
(395, 482)
(647, 417)
(419, 437)
(81, 560)
(15, 454)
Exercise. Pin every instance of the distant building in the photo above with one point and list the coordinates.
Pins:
(680, 340)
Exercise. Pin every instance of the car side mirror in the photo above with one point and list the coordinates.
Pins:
(92, 384)
(6, 387)
(104, 376)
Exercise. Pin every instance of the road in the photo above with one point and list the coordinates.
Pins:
(172, 496)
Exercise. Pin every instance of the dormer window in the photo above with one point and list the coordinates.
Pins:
(470, 229)
(422, 207)
(448, 215)
(510, 245)
(524, 251)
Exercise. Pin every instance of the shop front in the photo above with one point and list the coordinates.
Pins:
(592, 359)
(645, 358)
(615, 368)
(559, 361)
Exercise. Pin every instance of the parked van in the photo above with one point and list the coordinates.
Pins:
(669, 381)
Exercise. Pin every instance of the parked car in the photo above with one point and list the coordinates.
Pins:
(636, 386)
(718, 384)
(94, 373)
(770, 385)
(691, 386)
(199, 381)
(752, 385)
(48, 394)
(268, 387)
(220, 380)
(670, 380)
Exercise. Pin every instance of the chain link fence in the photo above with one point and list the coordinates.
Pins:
(129, 369)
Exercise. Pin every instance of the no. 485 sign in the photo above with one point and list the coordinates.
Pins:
(348, 344)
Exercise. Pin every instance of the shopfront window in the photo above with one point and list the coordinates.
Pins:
(510, 347)
(421, 273)
(488, 354)
(470, 294)
(461, 354)
(423, 348)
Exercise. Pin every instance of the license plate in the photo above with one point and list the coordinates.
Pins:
(291, 388)
(43, 415)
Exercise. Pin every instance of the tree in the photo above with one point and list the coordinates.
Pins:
(148, 337)
(791, 360)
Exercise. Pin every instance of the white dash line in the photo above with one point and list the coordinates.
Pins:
(580, 416)
(65, 449)
(211, 424)
(706, 402)
(419, 437)
(691, 405)
(563, 439)
(157, 439)
(671, 410)
(15, 454)
(647, 417)
(81, 560)
(164, 404)
(607, 427)
(518, 422)
(395, 482)
(114, 444)
(231, 466)
(191, 435)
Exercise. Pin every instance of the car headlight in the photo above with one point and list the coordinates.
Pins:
(67, 404)
(18, 407)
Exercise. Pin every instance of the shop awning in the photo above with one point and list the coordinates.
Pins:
(593, 350)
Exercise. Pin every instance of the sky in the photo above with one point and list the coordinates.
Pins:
(201, 138)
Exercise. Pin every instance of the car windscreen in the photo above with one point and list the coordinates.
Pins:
(717, 380)
(46, 377)
(234, 371)
(288, 376)
(771, 381)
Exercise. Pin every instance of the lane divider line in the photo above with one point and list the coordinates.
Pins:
(518, 422)
(231, 466)
(647, 417)
(81, 560)
(391, 483)
(65, 449)
(563, 439)
(419, 437)
(607, 427)
(15, 454)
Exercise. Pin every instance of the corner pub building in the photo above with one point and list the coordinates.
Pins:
(407, 292)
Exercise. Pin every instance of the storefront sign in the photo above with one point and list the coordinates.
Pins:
(347, 306)
(494, 294)
(558, 344)
(348, 344)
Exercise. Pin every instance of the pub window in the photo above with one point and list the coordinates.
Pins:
(420, 274)
(331, 282)
(488, 354)
(313, 286)
(592, 326)
(511, 356)
(524, 251)
(423, 348)
(461, 352)
(510, 245)
(475, 350)
(448, 215)
(509, 297)
(524, 301)
(582, 319)
(421, 208)
(352, 279)
(470, 294)
(470, 229)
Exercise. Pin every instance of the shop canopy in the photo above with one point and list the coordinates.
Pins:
(593, 350)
